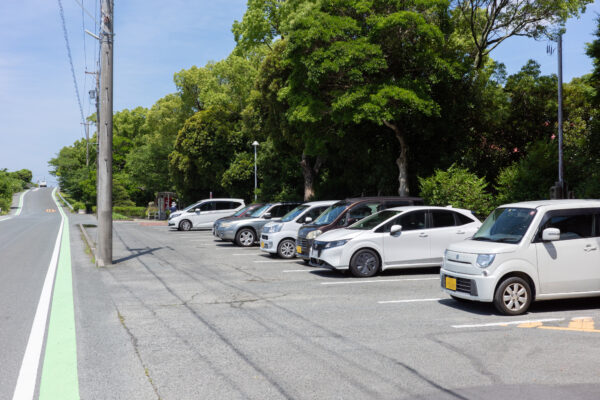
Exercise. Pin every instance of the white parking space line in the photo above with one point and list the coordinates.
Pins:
(305, 270)
(408, 301)
(276, 261)
(507, 323)
(379, 281)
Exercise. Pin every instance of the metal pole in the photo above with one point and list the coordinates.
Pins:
(255, 179)
(560, 120)
(105, 127)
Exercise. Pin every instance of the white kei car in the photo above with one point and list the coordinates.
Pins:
(401, 237)
(536, 250)
(280, 237)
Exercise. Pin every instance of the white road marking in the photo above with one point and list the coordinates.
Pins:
(379, 280)
(26, 382)
(305, 270)
(276, 261)
(507, 323)
(408, 301)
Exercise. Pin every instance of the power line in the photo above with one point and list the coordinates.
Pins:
(64, 26)
(86, 11)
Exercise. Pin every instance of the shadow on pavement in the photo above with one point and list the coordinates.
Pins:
(140, 252)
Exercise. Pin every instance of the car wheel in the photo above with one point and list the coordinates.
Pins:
(287, 248)
(185, 225)
(513, 296)
(245, 237)
(364, 263)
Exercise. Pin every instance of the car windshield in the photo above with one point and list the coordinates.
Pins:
(331, 214)
(293, 214)
(240, 212)
(374, 220)
(257, 213)
(506, 225)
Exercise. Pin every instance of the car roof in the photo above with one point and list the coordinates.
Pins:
(413, 208)
(382, 198)
(320, 203)
(552, 204)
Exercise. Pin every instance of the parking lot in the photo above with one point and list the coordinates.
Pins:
(212, 320)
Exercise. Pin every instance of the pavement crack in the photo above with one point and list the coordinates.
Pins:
(134, 342)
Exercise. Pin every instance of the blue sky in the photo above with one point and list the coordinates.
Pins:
(154, 39)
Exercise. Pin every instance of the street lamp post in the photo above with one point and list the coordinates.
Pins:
(255, 144)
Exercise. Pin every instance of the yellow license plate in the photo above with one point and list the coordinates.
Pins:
(451, 283)
(299, 249)
(262, 245)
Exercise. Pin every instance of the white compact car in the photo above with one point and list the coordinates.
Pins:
(528, 251)
(280, 237)
(402, 237)
(204, 213)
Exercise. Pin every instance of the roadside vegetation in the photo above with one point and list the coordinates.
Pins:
(351, 98)
(11, 183)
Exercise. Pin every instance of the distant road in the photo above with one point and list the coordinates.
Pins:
(27, 243)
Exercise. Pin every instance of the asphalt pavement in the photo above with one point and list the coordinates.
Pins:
(180, 315)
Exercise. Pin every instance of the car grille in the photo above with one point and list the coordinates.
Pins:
(304, 244)
(318, 245)
(264, 237)
(466, 286)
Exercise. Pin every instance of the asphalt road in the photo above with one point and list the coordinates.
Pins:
(26, 245)
(182, 316)
(211, 320)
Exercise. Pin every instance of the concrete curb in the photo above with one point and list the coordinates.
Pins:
(88, 240)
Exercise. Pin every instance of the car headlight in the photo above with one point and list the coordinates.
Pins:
(313, 234)
(336, 243)
(174, 215)
(273, 228)
(485, 260)
(226, 224)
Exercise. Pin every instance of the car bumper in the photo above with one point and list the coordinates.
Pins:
(303, 247)
(270, 241)
(470, 287)
(328, 258)
(225, 233)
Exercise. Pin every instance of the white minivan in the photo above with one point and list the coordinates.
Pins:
(204, 213)
(527, 251)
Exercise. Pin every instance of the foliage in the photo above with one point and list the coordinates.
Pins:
(131, 211)
(11, 183)
(459, 188)
(490, 22)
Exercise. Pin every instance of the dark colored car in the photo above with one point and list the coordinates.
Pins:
(243, 213)
(344, 213)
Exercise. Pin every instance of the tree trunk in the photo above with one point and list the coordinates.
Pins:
(401, 161)
(310, 173)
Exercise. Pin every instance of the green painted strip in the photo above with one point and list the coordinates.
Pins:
(59, 371)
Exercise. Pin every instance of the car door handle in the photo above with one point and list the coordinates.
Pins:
(460, 232)
(590, 248)
(423, 235)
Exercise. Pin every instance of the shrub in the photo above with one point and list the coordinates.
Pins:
(78, 205)
(459, 188)
(130, 211)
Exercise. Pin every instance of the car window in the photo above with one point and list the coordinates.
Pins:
(572, 226)
(442, 219)
(412, 220)
(374, 220)
(597, 229)
(208, 206)
(294, 213)
(258, 212)
(279, 211)
(359, 212)
(315, 212)
(463, 219)
(227, 205)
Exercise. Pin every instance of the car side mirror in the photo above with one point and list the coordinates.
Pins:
(307, 220)
(267, 216)
(197, 210)
(395, 229)
(550, 234)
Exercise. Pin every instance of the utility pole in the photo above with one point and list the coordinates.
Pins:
(105, 136)
(561, 180)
